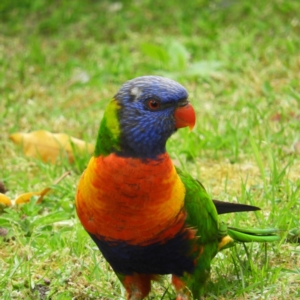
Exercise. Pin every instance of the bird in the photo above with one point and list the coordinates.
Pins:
(147, 217)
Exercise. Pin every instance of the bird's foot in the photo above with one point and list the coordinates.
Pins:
(136, 295)
(181, 296)
(183, 293)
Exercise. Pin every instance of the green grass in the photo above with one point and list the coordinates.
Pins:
(61, 61)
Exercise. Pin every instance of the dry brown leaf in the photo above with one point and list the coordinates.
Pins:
(25, 198)
(4, 200)
(50, 146)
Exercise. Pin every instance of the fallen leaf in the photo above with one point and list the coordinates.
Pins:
(25, 198)
(50, 146)
(4, 200)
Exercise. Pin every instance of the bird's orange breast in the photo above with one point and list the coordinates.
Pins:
(130, 199)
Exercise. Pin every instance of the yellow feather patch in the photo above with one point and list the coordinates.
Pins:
(226, 240)
(111, 118)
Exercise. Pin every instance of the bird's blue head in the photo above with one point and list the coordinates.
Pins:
(149, 109)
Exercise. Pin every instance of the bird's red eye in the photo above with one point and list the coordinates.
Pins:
(153, 104)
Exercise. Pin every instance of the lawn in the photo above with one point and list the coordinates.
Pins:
(61, 62)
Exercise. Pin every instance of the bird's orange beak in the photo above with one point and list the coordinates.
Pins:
(185, 116)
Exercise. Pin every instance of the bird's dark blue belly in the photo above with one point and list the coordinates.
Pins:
(173, 256)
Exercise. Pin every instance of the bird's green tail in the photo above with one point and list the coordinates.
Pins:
(266, 235)
(234, 234)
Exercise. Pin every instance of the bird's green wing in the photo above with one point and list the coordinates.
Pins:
(201, 211)
(202, 216)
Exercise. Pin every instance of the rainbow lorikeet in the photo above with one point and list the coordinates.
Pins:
(147, 217)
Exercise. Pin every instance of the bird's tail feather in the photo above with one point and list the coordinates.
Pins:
(254, 234)
(229, 207)
(234, 235)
